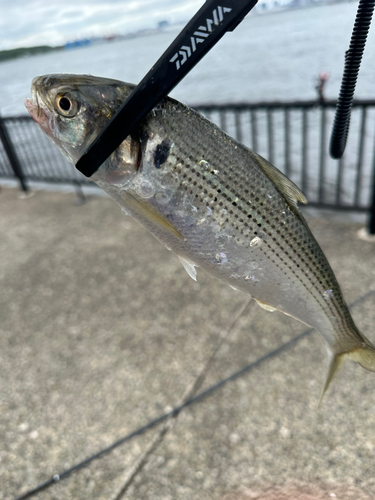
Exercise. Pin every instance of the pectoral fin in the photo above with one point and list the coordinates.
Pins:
(150, 214)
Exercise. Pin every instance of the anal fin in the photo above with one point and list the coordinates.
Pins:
(265, 306)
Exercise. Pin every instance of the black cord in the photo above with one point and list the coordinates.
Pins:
(353, 58)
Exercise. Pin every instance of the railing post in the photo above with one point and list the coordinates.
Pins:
(322, 166)
(371, 221)
(11, 153)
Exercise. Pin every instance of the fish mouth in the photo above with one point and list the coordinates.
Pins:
(37, 111)
(32, 108)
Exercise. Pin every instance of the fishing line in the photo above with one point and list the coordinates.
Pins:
(169, 424)
(177, 410)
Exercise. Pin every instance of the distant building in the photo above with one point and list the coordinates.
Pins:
(163, 24)
(78, 43)
(268, 5)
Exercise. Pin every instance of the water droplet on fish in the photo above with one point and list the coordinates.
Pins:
(124, 212)
(255, 241)
(253, 265)
(194, 209)
(232, 287)
(145, 189)
(285, 287)
(328, 294)
(209, 211)
(204, 164)
(251, 278)
(269, 196)
(221, 258)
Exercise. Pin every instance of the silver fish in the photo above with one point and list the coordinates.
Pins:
(216, 203)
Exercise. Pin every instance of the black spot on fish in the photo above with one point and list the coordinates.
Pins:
(161, 153)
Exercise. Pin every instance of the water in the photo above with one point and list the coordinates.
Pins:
(268, 57)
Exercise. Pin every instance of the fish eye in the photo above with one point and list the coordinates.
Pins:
(67, 104)
(64, 103)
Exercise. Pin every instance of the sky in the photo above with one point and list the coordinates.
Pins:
(25, 23)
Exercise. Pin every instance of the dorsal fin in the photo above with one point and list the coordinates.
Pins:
(287, 187)
(292, 194)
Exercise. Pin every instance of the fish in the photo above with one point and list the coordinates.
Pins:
(217, 204)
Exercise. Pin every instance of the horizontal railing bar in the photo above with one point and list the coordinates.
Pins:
(279, 105)
(250, 105)
(60, 180)
(332, 206)
(282, 124)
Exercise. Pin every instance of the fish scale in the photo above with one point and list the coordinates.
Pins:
(225, 192)
(215, 203)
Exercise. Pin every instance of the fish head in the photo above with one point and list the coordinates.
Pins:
(72, 109)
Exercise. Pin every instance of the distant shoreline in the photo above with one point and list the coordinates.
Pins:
(6, 55)
(267, 7)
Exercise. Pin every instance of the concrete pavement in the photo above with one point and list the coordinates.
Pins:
(101, 330)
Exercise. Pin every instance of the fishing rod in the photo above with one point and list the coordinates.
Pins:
(198, 37)
(203, 31)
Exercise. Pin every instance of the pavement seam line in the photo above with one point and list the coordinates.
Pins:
(170, 422)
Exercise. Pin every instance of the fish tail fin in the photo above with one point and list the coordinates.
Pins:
(364, 354)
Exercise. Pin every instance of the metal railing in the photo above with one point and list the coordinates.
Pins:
(294, 136)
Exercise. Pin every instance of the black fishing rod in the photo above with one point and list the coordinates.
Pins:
(205, 29)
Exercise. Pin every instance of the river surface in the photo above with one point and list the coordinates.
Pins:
(276, 56)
